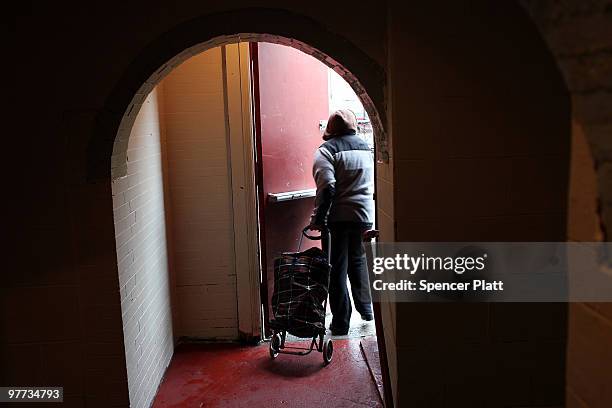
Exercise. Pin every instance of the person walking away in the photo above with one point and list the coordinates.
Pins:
(343, 170)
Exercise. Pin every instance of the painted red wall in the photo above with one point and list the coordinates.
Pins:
(293, 98)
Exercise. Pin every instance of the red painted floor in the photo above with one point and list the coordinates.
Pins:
(228, 375)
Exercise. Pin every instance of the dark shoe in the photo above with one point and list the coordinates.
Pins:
(367, 317)
(339, 332)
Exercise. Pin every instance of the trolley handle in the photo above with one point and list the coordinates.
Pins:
(312, 237)
(319, 237)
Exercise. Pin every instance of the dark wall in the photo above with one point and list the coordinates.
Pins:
(579, 33)
(481, 136)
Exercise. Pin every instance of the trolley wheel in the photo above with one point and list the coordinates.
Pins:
(275, 343)
(328, 351)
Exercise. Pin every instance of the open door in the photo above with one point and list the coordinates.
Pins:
(291, 99)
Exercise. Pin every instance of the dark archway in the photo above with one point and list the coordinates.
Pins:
(364, 75)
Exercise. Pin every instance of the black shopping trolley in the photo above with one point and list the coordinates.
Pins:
(299, 302)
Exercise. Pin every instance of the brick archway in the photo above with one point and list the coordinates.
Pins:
(107, 148)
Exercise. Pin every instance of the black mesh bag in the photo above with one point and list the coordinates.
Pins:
(301, 281)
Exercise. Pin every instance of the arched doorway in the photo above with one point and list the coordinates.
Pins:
(119, 168)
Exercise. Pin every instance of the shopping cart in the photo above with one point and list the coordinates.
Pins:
(301, 287)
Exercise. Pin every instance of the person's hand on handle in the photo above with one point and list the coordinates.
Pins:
(368, 235)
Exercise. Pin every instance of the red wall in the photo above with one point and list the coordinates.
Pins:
(293, 98)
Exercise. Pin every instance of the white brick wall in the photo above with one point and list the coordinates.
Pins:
(140, 229)
(173, 215)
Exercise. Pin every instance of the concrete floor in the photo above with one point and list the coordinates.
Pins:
(359, 328)
(230, 375)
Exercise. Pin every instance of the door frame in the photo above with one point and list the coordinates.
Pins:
(237, 81)
(263, 287)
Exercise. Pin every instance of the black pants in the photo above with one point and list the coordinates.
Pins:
(348, 259)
